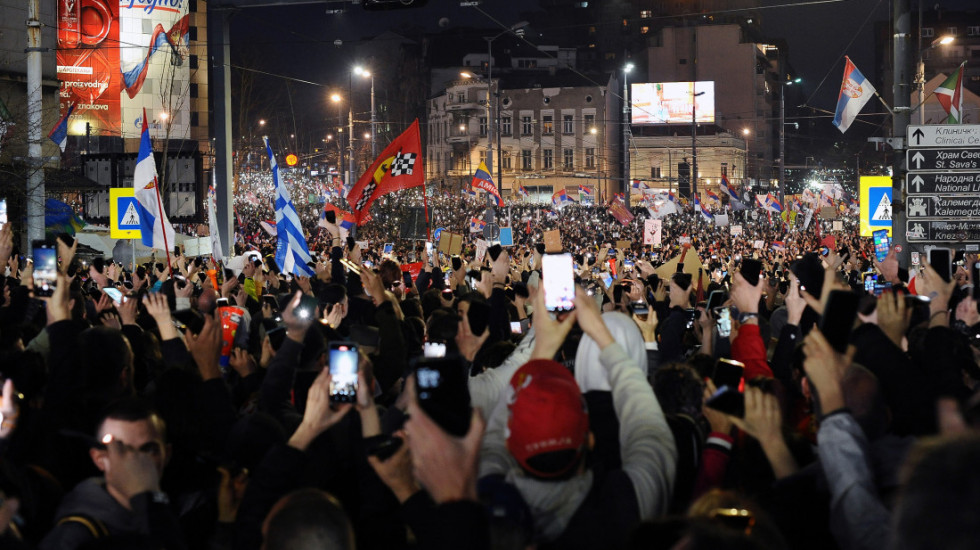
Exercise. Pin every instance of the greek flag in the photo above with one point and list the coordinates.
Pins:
(292, 254)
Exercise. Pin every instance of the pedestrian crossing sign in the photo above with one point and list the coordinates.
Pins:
(876, 204)
(124, 219)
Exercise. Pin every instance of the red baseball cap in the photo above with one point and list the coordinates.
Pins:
(547, 414)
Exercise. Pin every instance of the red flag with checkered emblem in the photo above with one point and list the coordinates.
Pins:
(398, 167)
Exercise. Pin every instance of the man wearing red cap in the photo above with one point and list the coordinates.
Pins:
(538, 440)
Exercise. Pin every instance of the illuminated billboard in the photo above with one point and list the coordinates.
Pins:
(117, 57)
(671, 102)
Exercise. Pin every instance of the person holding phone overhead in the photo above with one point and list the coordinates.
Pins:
(674, 313)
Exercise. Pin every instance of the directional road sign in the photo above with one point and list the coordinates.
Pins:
(944, 231)
(942, 182)
(951, 135)
(124, 220)
(954, 207)
(943, 159)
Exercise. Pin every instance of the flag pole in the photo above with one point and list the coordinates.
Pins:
(166, 245)
(425, 205)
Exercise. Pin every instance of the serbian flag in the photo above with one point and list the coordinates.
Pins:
(672, 197)
(477, 225)
(523, 191)
(778, 246)
(345, 220)
(59, 134)
(400, 166)
(584, 191)
(483, 181)
(560, 198)
(712, 196)
(471, 193)
(639, 185)
(773, 203)
(855, 92)
(704, 211)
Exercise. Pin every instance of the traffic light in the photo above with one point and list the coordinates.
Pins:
(291, 159)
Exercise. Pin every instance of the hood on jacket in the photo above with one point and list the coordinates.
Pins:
(589, 372)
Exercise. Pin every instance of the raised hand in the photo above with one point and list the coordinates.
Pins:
(467, 342)
(893, 317)
(205, 348)
(242, 362)
(319, 414)
(549, 334)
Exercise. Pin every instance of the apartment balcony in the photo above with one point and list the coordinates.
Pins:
(468, 106)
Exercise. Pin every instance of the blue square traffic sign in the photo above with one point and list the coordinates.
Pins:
(128, 213)
(880, 206)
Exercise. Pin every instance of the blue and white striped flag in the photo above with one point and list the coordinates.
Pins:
(292, 253)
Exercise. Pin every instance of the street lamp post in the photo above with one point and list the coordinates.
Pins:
(920, 73)
(694, 138)
(626, 132)
(340, 130)
(782, 137)
(368, 74)
(493, 106)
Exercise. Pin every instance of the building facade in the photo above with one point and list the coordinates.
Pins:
(747, 73)
(550, 137)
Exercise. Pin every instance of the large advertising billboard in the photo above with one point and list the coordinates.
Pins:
(117, 57)
(672, 102)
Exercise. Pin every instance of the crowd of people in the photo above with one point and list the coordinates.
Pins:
(771, 398)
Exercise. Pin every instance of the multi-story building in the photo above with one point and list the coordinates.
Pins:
(741, 142)
(552, 134)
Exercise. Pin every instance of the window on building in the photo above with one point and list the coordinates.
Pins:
(928, 32)
(193, 61)
(590, 157)
(973, 31)
(567, 124)
(505, 126)
(724, 169)
(525, 125)
(505, 162)
(682, 61)
(193, 89)
(483, 126)
(195, 118)
(589, 122)
(610, 56)
(483, 155)
(460, 97)
(547, 124)
(655, 172)
(644, 29)
(646, 14)
(568, 159)
(525, 159)
(527, 63)
(549, 159)
(952, 31)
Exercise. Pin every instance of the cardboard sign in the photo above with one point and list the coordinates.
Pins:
(552, 241)
(624, 245)
(721, 220)
(736, 230)
(837, 225)
(758, 244)
(197, 247)
(652, 232)
(450, 243)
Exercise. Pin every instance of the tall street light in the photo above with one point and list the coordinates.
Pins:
(694, 138)
(340, 130)
(367, 74)
(782, 137)
(920, 73)
(626, 132)
(493, 108)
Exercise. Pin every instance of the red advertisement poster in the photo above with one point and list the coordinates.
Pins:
(88, 64)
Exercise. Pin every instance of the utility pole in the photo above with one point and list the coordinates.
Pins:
(626, 133)
(901, 89)
(35, 179)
